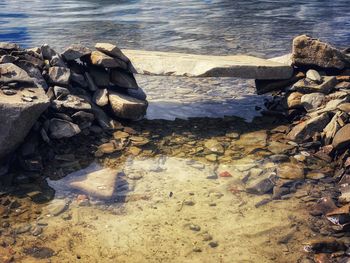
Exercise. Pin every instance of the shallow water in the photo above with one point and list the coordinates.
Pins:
(166, 197)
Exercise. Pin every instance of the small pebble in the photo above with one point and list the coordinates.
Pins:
(9, 92)
(197, 249)
(195, 227)
(213, 244)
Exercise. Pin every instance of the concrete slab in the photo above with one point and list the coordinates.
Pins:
(180, 64)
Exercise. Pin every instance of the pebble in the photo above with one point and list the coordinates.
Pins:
(9, 92)
(196, 228)
(189, 203)
(36, 230)
(197, 249)
(207, 237)
(213, 244)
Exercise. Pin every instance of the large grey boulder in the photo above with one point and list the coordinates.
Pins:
(17, 117)
(11, 73)
(180, 64)
(311, 52)
(307, 129)
(126, 107)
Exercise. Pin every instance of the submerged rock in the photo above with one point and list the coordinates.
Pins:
(311, 52)
(290, 171)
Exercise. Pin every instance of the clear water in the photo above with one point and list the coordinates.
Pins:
(261, 28)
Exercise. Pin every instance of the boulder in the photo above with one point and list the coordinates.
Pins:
(60, 92)
(76, 51)
(111, 50)
(47, 52)
(100, 97)
(123, 79)
(34, 73)
(137, 94)
(313, 75)
(8, 46)
(341, 139)
(311, 52)
(7, 59)
(71, 103)
(307, 129)
(102, 60)
(312, 101)
(308, 86)
(62, 129)
(11, 73)
(100, 76)
(90, 82)
(126, 107)
(57, 61)
(17, 118)
(79, 79)
(59, 75)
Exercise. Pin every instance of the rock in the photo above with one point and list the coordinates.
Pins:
(211, 157)
(62, 129)
(279, 148)
(178, 64)
(328, 245)
(196, 228)
(100, 97)
(262, 185)
(313, 75)
(267, 85)
(57, 61)
(47, 52)
(59, 75)
(35, 74)
(60, 92)
(17, 118)
(345, 107)
(82, 116)
(7, 59)
(126, 107)
(307, 129)
(11, 73)
(9, 92)
(331, 129)
(290, 171)
(294, 100)
(93, 181)
(111, 50)
(102, 60)
(91, 84)
(123, 79)
(71, 102)
(343, 85)
(75, 51)
(137, 94)
(310, 52)
(56, 207)
(79, 79)
(312, 101)
(100, 76)
(284, 59)
(306, 86)
(102, 118)
(341, 139)
(214, 146)
(8, 46)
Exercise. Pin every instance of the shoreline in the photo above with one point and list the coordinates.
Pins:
(295, 151)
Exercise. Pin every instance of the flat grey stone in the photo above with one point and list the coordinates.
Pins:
(180, 64)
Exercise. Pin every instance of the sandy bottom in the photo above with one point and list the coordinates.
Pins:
(171, 212)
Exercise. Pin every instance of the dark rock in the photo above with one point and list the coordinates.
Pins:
(63, 129)
(307, 86)
(75, 51)
(123, 79)
(47, 52)
(265, 86)
(100, 76)
(309, 52)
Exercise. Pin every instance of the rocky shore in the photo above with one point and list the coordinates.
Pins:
(79, 103)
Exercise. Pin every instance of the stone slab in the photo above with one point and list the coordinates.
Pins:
(190, 65)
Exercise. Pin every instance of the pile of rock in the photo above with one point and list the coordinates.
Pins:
(78, 90)
(317, 101)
